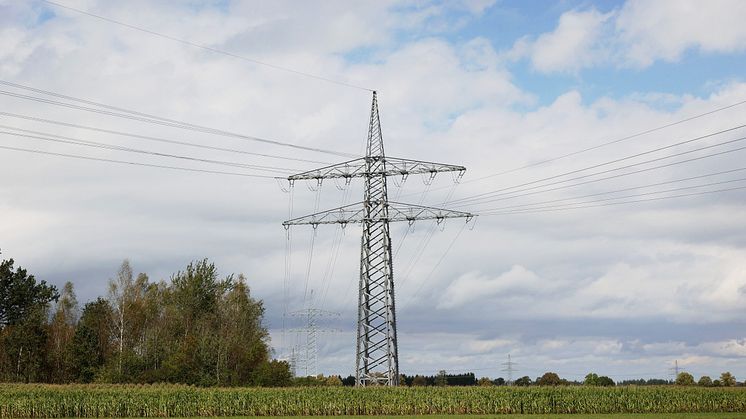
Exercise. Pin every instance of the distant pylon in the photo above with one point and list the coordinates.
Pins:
(311, 330)
(509, 369)
(293, 360)
(377, 350)
(675, 370)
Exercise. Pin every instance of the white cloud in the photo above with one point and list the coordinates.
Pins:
(664, 30)
(573, 45)
(636, 35)
(489, 345)
(472, 287)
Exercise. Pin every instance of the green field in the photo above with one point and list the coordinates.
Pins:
(52, 401)
(577, 416)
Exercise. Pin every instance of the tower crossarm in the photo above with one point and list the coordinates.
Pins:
(393, 167)
(318, 329)
(315, 312)
(355, 213)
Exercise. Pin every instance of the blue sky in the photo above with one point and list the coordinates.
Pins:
(508, 21)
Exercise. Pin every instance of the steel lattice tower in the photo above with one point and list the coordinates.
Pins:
(377, 353)
(312, 330)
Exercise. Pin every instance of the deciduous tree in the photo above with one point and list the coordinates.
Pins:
(727, 379)
(684, 379)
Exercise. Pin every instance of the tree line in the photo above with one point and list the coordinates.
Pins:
(196, 328)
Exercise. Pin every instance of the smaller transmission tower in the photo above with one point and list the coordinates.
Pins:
(293, 360)
(675, 370)
(311, 329)
(508, 367)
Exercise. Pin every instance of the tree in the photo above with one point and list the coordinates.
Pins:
(26, 345)
(441, 380)
(705, 381)
(276, 374)
(684, 379)
(591, 379)
(24, 307)
(333, 381)
(196, 291)
(523, 381)
(61, 333)
(485, 382)
(499, 381)
(549, 379)
(199, 330)
(20, 294)
(90, 346)
(605, 381)
(121, 290)
(242, 339)
(419, 381)
(727, 379)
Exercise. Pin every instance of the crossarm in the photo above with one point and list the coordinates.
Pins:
(354, 213)
(393, 167)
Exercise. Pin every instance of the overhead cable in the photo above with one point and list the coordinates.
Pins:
(619, 203)
(648, 169)
(615, 141)
(186, 169)
(208, 48)
(158, 139)
(740, 169)
(496, 191)
(86, 143)
(153, 119)
(684, 188)
(619, 140)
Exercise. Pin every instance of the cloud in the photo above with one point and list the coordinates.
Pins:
(473, 288)
(664, 30)
(572, 46)
(636, 35)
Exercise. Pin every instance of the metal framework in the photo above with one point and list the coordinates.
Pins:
(377, 353)
(509, 369)
(311, 330)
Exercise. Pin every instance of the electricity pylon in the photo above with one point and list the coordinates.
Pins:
(509, 369)
(676, 369)
(377, 353)
(312, 330)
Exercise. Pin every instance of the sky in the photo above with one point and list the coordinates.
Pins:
(572, 279)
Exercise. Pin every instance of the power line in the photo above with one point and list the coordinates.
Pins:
(437, 264)
(506, 191)
(86, 143)
(619, 140)
(153, 119)
(623, 190)
(702, 137)
(623, 203)
(207, 48)
(621, 197)
(635, 172)
(75, 156)
(158, 139)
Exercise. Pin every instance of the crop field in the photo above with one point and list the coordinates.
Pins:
(52, 401)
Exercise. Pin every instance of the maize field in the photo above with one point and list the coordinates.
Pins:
(89, 401)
